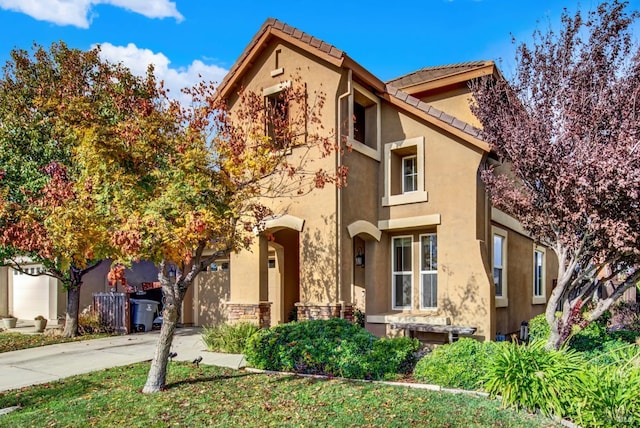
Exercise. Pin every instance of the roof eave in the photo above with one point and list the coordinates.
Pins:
(238, 70)
(488, 69)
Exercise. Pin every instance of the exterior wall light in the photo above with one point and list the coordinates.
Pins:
(360, 257)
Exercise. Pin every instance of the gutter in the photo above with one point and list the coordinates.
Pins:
(339, 200)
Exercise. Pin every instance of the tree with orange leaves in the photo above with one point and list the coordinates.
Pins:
(52, 102)
(191, 194)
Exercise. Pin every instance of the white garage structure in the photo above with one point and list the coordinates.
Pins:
(30, 296)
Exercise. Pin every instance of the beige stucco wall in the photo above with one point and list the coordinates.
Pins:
(451, 181)
(454, 101)
(521, 305)
(209, 294)
(318, 239)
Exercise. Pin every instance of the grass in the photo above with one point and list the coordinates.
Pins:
(213, 396)
(16, 341)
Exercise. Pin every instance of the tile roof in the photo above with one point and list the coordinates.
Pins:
(289, 30)
(433, 73)
(393, 87)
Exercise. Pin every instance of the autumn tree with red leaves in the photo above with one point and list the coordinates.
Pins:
(52, 101)
(199, 193)
(567, 127)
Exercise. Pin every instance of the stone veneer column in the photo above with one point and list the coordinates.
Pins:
(323, 311)
(255, 313)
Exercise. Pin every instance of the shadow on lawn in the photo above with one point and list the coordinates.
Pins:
(206, 379)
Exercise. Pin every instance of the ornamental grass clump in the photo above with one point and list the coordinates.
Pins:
(534, 378)
(228, 338)
(333, 347)
(610, 397)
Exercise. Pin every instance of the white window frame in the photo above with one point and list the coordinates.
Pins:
(428, 272)
(394, 273)
(501, 300)
(540, 298)
(420, 195)
(413, 175)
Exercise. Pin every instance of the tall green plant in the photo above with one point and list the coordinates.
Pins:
(228, 338)
(610, 397)
(532, 377)
(461, 364)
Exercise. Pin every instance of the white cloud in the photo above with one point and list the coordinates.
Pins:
(138, 59)
(79, 13)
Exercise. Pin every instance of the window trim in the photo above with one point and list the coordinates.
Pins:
(539, 299)
(273, 93)
(394, 272)
(422, 272)
(503, 300)
(420, 195)
(357, 145)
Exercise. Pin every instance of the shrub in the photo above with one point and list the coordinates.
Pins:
(610, 395)
(532, 377)
(332, 347)
(89, 323)
(539, 328)
(229, 338)
(460, 364)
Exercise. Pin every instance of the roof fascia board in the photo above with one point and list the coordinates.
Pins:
(259, 45)
(448, 80)
(364, 74)
(247, 61)
(437, 122)
(306, 47)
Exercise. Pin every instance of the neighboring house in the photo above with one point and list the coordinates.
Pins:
(412, 237)
(26, 296)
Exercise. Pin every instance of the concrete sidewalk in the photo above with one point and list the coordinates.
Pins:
(49, 363)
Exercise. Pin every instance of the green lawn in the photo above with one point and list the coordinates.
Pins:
(212, 396)
(16, 341)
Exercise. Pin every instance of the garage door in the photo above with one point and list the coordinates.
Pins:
(30, 294)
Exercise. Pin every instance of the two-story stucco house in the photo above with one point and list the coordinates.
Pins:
(411, 238)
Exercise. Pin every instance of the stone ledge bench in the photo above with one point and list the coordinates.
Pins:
(450, 330)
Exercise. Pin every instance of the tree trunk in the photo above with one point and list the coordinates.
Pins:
(73, 309)
(157, 377)
(172, 298)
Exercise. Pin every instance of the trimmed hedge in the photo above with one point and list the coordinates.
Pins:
(332, 347)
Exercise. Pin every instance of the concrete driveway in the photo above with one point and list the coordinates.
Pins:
(49, 363)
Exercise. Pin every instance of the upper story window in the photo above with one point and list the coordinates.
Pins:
(404, 172)
(409, 174)
(499, 250)
(360, 121)
(277, 115)
(539, 284)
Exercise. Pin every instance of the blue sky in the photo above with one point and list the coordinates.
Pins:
(185, 38)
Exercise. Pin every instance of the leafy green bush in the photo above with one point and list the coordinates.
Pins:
(228, 338)
(332, 347)
(610, 395)
(460, 364)
(539, 328)
(532, 377)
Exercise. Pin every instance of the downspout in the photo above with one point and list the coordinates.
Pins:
(339, 200)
